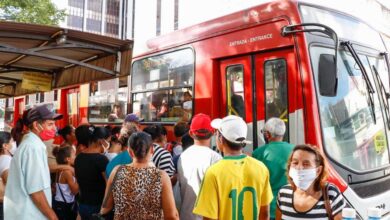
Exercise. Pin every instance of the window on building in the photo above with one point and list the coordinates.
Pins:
(75, 21)
(162, 86)
(93, 25)
(95, 5)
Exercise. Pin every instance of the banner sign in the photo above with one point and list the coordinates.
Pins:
(37, 82)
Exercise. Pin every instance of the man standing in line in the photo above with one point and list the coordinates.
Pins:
(274, 155)
(236, 187)
(193, 164)
(28, 192)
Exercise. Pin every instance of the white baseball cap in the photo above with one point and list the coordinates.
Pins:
(232, 127)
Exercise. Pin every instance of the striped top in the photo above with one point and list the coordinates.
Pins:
(162, 159)
(318, 211)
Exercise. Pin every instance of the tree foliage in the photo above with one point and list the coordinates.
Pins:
(31, 11)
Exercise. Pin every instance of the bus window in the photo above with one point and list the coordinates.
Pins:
(162, 87)
(107, 101)
(9, 111)
(235, 90)
(276, 91)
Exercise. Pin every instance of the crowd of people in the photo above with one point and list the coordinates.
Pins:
(134, 172)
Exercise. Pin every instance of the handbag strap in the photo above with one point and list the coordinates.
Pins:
(326, 201)
(59, 187)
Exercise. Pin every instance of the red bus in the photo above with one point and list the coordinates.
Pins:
(278, 60)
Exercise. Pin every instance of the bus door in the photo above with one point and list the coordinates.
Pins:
(255, 88)
(273, 72)
(237, 91)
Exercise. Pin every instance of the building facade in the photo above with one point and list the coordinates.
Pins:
(96, 16)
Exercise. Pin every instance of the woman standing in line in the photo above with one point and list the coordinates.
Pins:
(90, 166)
(140, 190)
(7, 149)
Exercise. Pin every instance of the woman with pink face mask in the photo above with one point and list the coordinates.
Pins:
(308, 195)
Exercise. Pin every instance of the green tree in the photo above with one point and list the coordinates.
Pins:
(31, 11)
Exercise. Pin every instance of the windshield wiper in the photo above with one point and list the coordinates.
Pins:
(386, 57)
(369, 86)
(385, 95)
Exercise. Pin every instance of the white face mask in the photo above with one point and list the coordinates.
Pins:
(13, 148)
(303, 178)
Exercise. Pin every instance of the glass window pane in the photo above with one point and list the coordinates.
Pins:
(9, 111)
(348, 127)
(276, 91)
(235, 90)
(108, 101)
(162, 86)
(164, 105)
(174, 69)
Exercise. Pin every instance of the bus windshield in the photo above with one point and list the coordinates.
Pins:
(351, 136)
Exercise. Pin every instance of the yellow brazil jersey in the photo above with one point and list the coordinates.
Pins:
(234, 188)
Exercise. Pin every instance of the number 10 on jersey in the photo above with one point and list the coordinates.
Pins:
(233, 196)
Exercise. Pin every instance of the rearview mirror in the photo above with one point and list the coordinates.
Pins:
(327, 75)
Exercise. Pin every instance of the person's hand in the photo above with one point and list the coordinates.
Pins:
(53, 217)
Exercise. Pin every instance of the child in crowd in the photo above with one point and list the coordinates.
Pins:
(66, 184)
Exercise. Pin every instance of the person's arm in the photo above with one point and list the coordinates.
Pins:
(168, 202)
(74, 187)
(4, 176)
(173, 179)
(278, 214)
(58, 167)
(102, 163)
(108, 201)
(104, 176)
(39, 199)
(338, 217)
(264, 212)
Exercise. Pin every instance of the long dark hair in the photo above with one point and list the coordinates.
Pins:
(61, 153)
(5, 138)
(140, 143)
(17, 131)
(65, 131)
(88, 134)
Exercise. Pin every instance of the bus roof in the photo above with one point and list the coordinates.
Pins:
(67, 57)
(237, 20)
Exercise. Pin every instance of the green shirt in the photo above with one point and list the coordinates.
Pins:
(275, 155)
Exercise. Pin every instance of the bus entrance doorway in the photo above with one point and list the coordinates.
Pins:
(255, 87)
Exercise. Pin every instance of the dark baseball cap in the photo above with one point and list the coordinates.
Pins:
(40, 112)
